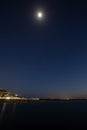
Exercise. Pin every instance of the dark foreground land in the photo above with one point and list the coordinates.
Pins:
(46, 114)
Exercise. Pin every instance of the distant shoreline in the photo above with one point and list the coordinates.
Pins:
(41, 100)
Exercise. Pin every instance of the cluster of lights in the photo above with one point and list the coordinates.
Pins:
(9, 98)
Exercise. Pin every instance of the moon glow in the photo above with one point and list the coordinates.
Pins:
(40, 15)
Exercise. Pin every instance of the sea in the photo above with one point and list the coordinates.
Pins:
(51, 115)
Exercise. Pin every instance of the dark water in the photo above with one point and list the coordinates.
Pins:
(72, 114)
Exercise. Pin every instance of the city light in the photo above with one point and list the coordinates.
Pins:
(8, 98)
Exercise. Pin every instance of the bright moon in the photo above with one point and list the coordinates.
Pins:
(40, 15)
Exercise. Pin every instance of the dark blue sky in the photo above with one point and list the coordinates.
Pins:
(48, 58)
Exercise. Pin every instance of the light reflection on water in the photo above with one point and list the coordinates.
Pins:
(7, 112)
(2, 112)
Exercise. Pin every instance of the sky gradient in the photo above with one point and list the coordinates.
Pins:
(45, 59)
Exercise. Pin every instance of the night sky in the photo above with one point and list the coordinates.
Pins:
(46, 58)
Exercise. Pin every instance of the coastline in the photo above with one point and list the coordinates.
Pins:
(26, 100)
